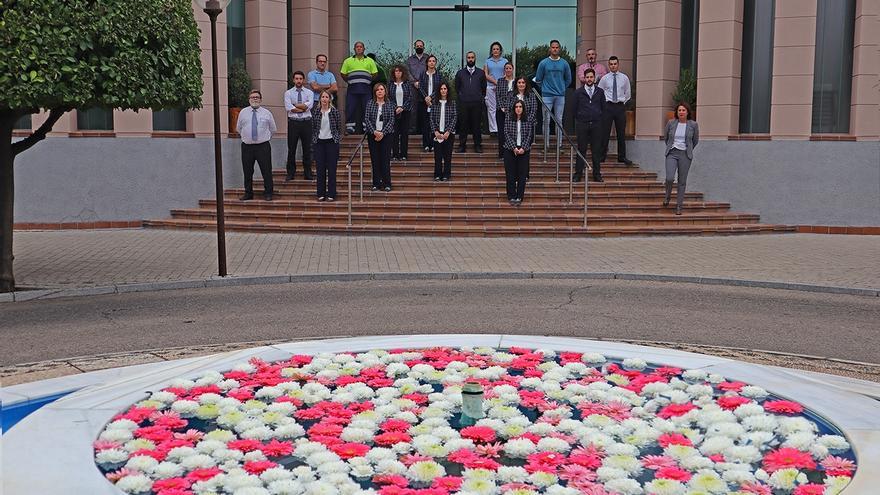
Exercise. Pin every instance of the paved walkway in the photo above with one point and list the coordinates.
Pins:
(107, 257)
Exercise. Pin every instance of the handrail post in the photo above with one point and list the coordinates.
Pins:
(557, 159)
(586, 189)
(361, 151)
(349, 193)
(571, 180)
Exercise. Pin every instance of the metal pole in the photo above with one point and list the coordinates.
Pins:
(557, 159)
(586, 186)
(571, 180)
(349, 193)
(213, 11)
(361, 150)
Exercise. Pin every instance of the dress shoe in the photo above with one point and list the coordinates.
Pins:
(267, 197)
(427, 148)
(478, 148)
(437, 179)
(374, 188)
(678, 210)
(626, 162)
(665, 203)
(598, 178)
(578, 177)
(321, 198)
(460, 149)
(330, 198)
(387, 188)
(246, 197)
(288, 178)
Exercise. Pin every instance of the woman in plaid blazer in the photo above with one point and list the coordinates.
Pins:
(325, 143)
(518, 136)
(379, 123)
(523, 92)
(428, 84)
(503, 90)
(443, 119)
(400, 92)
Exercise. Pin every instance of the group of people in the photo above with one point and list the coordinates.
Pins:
(416, 90)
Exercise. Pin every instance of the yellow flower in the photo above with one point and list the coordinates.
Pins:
(207, 411)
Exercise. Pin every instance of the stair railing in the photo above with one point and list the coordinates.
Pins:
(359, 151)
(574, 151)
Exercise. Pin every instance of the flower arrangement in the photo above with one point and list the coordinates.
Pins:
(389, 423)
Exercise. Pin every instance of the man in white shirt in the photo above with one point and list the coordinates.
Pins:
(255, 126)
(616, 86)
(298, 101)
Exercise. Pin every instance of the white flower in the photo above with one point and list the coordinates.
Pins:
(321, 488)
(622, 449)
(708, 481)
(122, 424)
(738, 476)
(111, 456)
(593, 358)
(606, 473)
(697, 462)
(168, 470)
(762, 422)
(543, 479)
(479, 486)
(142, 463)
(627, 463)
(835, 484)
(753, 392)
(390, 466)
(286, 487)
(834, 442)
(553, 444)
(801, 440)
(519, 448)
(512, 474)
(784, 479)
(742, 453)
(624, 486)
(695, 375)
(118, 435)
(789, 425)
(661, 486)
(137, 483)
(185, 407)
(197, 461)
(715, 445)
(425, 471)
(222, 455)
(635, 363)
(362, 470)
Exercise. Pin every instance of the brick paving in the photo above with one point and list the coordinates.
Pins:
(105, 257)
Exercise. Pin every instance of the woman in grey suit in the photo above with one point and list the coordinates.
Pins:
(682, 136)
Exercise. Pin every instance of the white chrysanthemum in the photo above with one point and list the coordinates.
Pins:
(789, 425)
(561, 490)
(254, 455)
(167, 470)
(834, 442)
(697, 462)
(715, 445)
(139, 444)
(390, 466)
(835, 484)
(122, 424)
(223, 455)
(119, 435)
(593, 358)
(519, 448)
(286, 487)
(425, 471)
(197, 461)
(606, 473)
(142, 463)
(357, 435)
(185, 407)
(622, 449)
(321, 457)
(137, 483)
(362, 471)
(336, 467)
(784, 479)
(695, 375)
(680, 452)
(753, 392)
(729, 430)
(163, 397)
(479, 486)
(627, 463)
(304, 474)
(738, 476)
(708, 481)
(624, 486)
(662, 486)
(292, 430)
(512, 474)
(321, 488)
(111, 456)
(239, 479)
(635, 363)
(543, 479)
(801, 440)
(219, 435)
(742, 453)
(656, 388)
(553, 445)
(819, 451)
(761, 422)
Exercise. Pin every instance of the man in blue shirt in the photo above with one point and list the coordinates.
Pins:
(554, 76)
(322, 79)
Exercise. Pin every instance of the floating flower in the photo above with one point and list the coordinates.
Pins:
(787, 458)
(482, 434)
(783, 407)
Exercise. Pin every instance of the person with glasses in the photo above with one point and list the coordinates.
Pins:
(255, 126)
(298, 101)
(428, 84)
(321, 79)
(379, 123)
(518, 137)
(494, 70)
(325, 138)
(401, 94)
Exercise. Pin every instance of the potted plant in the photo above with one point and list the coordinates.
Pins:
(239, 85)
(686, 91)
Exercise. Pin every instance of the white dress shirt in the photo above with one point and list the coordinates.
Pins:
(430, 86)
(398, 93)
(291, 98)
(325, 133)
(379, 122)
(623, 90)
(442, 116)
(519, 133)
(265, 125)
(680, 132)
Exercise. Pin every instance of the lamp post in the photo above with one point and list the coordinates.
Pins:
(213, 8)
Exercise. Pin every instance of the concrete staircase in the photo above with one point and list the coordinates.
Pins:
(473, 203)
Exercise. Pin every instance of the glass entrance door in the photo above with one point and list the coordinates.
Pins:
(449, 33)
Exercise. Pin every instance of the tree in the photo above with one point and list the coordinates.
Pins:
(60, 55)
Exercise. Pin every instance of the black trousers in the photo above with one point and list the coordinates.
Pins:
(615, 115)
(589, 134)
(380, 160)
(470, 115)
(400, 139)
(326, 159)
(421, 113)
(499, 121)
(262, 154)
(443, 158)
(427, 135)
(516, 169)
(355, 109)
(299, 131)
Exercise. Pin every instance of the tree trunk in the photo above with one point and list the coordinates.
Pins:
(7, 202)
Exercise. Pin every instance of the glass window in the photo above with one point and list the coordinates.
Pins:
(384, 31)
(535, 27)
(441, 31)
(95, 119)
(235, 24)
(169, 120)
(484, 27)
(385, 3)
(23, 123)
(757, 66)
(832, 73)
(690, 29)
(546, 3)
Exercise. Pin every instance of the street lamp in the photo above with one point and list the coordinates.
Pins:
(213, 8)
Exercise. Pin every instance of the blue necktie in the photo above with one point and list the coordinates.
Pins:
(299, 96)
(614, 89)
(254, 124)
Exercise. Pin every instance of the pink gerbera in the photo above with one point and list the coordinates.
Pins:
(674, 410)
(481, 463)
(349, 450)
(573, 472)
(244, 445)
(390, 479)
(257, 467)
(838, 466)
(448, 483)
(394, 425)
(655, 462)
(190, 435)
(410, 459)
(121, 473)
(731, 386)
(203, 474)
(731, 402)
(667, 439)
(171, 484)
(810, 489)
(544, 461)
(786, 457)
(276, 448)
(489, 449)
(783, 407)
(482, 434)
(105, 445)
(461, 456)
(673, 473)
(755, 488)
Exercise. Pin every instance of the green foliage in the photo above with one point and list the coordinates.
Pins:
(112, 53)
(528, 58)
(239, 84)
(686, 89)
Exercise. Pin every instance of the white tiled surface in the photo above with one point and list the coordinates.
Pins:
(50, 450)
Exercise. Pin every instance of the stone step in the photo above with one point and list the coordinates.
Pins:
(498, 195)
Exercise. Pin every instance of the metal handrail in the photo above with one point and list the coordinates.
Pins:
(360, 151)
(574, 148)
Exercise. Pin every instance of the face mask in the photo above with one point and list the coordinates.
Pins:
(471, 63)
(420, 51)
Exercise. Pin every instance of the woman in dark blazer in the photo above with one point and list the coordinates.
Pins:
(503, 89)
(522, 91)
(682, 136)
(325, 144)
(429, 82)
(443, 119)
(518, 136)
(400, 92)
(379, 121)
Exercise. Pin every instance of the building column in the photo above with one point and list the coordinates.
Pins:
(864, 116)
(339, 44)
(311, 28)
(794, 54)
(719, 67)
(203, 118)
(659, 46)
(614, 32)
(266, 55)
(586, 29)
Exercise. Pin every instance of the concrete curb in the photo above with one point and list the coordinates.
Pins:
(232, 281)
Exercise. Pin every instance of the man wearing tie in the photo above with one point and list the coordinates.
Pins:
(255, 126)
(589, 105)
(298, 100)
(615, 84)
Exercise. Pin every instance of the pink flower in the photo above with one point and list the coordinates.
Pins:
(158, 454)
(244, 445)
(783, 407)
(544, 461)
(309, 413)
(191, 435)
(838, 466)
(788, 458)
(121, 473)
(171, 484)
(756, 488)
(574, 472)
(137, 414)
(349, 450)
(731, 402)
(810, 489)
(257, 467)
(390, 438)
(390, 479)
(105, 444)
(154, 433)
(731, 386)
(242, 394)
(326, 429)
(410, 459)
(655, 462)
(673, 473)
(203, 474)
(489, 449)
(667, 439)
(168, 419)
(674, 410)
(717, 457)
(461, 456)
(276, 448)
(448, 483)
(394, 425)
(174, 491)
(478, 433)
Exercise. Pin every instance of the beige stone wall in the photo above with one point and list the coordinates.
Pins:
(203, 119)
(794, 52)
(311, 32)
(266, 59)
(719, 66)
(586, 26)
(614, 32)
(658, 54)
(865, 111)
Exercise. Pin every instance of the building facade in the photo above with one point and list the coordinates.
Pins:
(787, 97)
